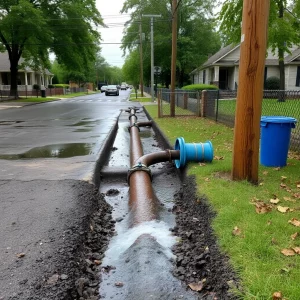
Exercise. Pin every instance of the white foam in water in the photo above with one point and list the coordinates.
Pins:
(157, 229)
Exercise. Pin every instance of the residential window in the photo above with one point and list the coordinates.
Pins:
(204, 75)
(298, 76)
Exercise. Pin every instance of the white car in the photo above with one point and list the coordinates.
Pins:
(123, 87)
(103, 88)
(112, 90)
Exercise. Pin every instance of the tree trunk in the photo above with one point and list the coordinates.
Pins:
(14, 60)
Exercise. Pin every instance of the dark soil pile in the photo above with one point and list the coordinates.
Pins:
(72, 271)
(199, 262)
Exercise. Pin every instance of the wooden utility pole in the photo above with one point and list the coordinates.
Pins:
(174, 56)
(250, 90)
(141, 60)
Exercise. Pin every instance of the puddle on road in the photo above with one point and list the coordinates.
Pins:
(54, 151)
(87, 123)
(10, 122)
(87, 129)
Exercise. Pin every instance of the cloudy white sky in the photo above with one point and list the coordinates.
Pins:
(110, 12)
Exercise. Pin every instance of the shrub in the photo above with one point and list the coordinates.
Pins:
(50, 86)
(199, 87)
(61, 85)
(272, 83)
(36, 87)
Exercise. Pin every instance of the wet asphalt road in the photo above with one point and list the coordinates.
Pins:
(46, 151)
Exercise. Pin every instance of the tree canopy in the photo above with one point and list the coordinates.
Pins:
(282, 33)
(31, 29)
(196, 36)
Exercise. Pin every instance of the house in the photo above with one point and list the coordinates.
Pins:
(26, 76)
(222, 68)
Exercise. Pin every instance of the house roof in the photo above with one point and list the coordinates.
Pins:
(5, 64)
(216, 59)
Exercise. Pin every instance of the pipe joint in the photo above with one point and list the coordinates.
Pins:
(133, 115)
(133, 125)
(138, 167)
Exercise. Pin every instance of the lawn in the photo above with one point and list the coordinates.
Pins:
(257, 226)
(50, 98)
(140, 99)
(270, 107)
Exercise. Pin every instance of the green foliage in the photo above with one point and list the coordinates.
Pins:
(131, 67)
(196, 36)
(199, 87)
(272, 83)
(106, 73)
(30, 29)
(281, 31)
(61, 85)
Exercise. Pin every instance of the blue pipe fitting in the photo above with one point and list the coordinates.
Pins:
(197, 152)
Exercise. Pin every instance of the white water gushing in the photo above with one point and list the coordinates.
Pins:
(157, 229)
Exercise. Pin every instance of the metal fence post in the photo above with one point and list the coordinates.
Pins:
(159, 104)
(203, 103)
(185, 100)
(217, 108)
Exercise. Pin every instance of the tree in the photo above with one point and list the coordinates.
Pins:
(131, 68)
(281, 35)
(105, 72)
(32, 28)
(196, 36)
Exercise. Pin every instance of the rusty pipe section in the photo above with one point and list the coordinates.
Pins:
(157, 157)
(142, 199)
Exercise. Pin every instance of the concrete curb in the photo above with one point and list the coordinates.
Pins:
(104, 152)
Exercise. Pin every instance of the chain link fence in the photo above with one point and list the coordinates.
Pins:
(187, 103)
(222, 107)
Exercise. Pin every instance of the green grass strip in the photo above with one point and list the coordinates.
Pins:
(255, 246)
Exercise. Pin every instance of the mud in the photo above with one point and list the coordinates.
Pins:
(71, 269)
(198, 257)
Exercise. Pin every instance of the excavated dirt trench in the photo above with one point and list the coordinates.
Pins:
(112, 258)
(158, 259)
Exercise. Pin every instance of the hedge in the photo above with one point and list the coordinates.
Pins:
(61, 85)
(199, 87)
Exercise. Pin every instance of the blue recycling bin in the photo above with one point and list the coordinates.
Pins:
(275, 140)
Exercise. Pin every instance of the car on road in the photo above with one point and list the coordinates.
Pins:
(123, 87)
(112, 90)
(103, 88)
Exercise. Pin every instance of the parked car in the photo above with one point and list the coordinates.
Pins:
(112, 90)
(103, 88)
(123, 87)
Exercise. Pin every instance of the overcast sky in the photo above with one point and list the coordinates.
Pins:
(110, 12)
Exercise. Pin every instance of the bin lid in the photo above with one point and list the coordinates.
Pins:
(278, 119)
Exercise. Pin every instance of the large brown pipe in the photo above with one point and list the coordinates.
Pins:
(142, 200)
